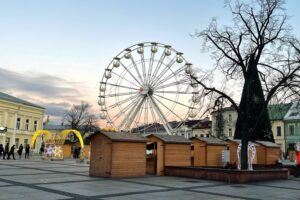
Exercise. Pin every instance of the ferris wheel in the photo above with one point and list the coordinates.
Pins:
(146, 87)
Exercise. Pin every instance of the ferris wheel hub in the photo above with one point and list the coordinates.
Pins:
(146, 90)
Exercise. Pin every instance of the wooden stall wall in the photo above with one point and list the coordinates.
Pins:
(159, 155)
(214, 155)
(129, 159)
(199, 154)
(177, 155)
(100, 162)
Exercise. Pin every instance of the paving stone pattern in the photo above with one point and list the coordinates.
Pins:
(51, 180)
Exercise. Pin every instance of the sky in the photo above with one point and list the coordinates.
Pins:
(53, 53)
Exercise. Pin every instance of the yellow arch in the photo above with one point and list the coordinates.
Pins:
(65, 133)
(37, 133)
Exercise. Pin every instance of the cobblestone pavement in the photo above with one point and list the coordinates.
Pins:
(50, 180)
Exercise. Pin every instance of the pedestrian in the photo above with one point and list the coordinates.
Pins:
(42, 149)
(6, 151)
(20, 151)
(78, 152)
(27, 149)
(12, 152)
(1, 150)
(75, 152)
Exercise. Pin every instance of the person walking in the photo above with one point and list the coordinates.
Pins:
(20, 151)
(12, 152)
(1, 150)
(6, 151)
(27, 149)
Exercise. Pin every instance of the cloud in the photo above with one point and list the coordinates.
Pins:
(38, 84)
(54, 93)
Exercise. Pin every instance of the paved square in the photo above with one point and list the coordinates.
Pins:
(37, 179)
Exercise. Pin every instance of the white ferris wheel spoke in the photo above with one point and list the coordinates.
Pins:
(137, 121)
(131, 74)
(160, 62)
(172, 74)
(174, 92)
(122, 86)
(124, 110)
(165, 69)
(150, 68)
(132, 83)
(119, 94)
(143, 67)
(155, 122)
(122, 102)
(161, 116)
(167, 85)
(128, 111)
(136, 69)
(167, 108)
(132, 114)
(172, 100)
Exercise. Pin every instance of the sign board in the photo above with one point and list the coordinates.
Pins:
(225, 156)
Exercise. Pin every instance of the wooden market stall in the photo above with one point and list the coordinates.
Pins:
(115, 154)
(208, 151)
(169, 150)
(268, 153)
(233, 145)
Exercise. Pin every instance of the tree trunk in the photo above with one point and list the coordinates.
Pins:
(250, 126)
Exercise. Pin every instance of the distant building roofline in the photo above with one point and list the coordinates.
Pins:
(9, 98)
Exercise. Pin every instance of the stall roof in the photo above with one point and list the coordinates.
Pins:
(267, 144)
(171, 139)
(239, 141)
(211, 140)
(119, 136)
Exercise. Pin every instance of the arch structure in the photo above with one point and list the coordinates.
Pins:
(58, 137)
(65, 133)
(45, 133)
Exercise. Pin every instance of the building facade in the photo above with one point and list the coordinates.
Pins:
(21, 119)
(292, 126)
(223, 123)
(277, 113)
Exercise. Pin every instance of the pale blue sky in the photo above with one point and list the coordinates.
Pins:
(74, 40)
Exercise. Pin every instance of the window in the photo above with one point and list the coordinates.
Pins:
(229, 118)
(278, 130)
(291, 129)
(27, 125)
(25, 142)
(201, 135)
(18, 123)
(7, 140)
(17, 142)
(293, 114)
(35, 126)
(230, 132)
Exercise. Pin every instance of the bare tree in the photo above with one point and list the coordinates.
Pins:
(258, 50)
(80, 118)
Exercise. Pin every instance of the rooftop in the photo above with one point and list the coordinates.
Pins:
(10, 98)
(118, 136)
(211, 140)
(171, 138)
(278, 111)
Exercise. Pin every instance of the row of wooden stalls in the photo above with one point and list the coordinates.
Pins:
(130, 155)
